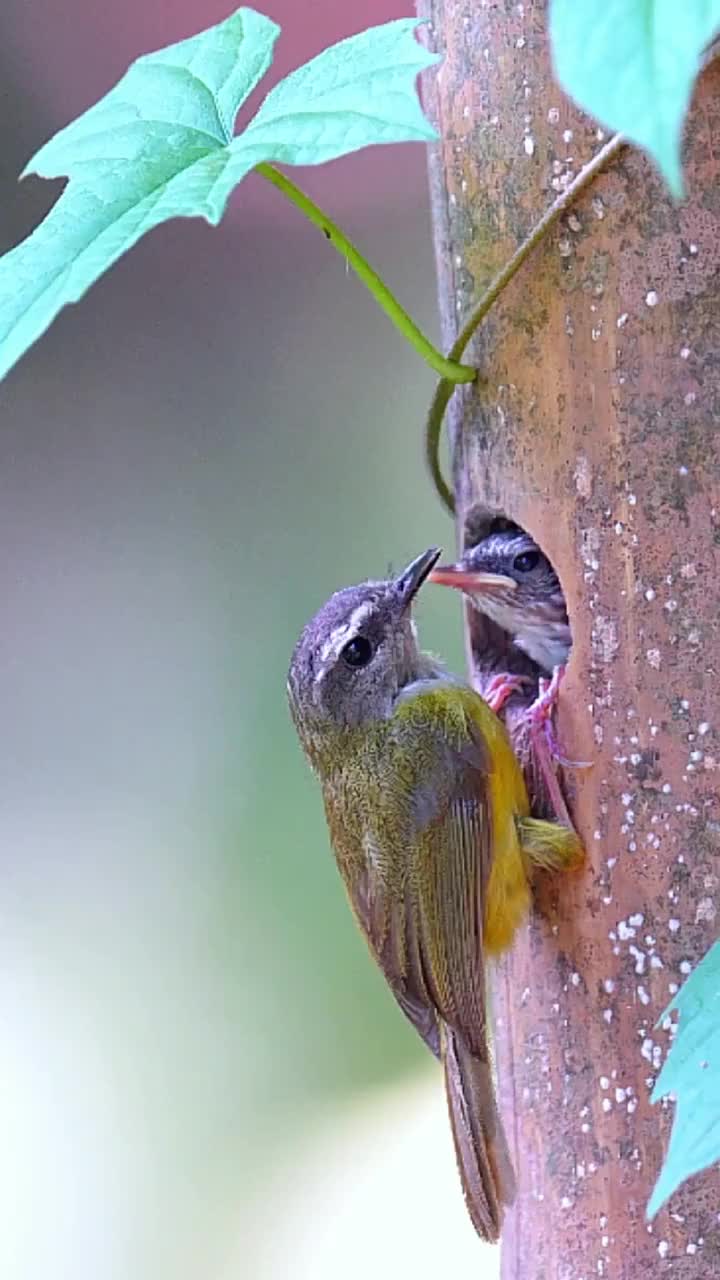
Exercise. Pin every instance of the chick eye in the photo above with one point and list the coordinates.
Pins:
(526, 561)
(357, 652)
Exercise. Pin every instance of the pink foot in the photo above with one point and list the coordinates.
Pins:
(498, 690)
(544, 741)
(541, 719)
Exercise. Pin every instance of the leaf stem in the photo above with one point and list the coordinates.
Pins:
(445, 388)
(450, 370)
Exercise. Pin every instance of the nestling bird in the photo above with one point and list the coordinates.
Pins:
(429, 821)
(507, 577)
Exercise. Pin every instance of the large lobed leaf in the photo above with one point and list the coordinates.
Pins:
(160, 146)
(632, 64)
(692, 1072)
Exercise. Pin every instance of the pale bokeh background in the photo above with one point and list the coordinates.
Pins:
(202, 1076)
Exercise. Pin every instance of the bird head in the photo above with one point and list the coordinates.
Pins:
(509, 579)
(358, 653)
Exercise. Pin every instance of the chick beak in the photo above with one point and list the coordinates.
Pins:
(411, 579)
(472, 581)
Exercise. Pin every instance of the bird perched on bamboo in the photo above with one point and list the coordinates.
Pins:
(429, 820)
(509, 580)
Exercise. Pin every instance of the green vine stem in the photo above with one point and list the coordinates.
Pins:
(450, 370)
(445, 388)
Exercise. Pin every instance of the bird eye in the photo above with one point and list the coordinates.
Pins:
(526, 561)
(357, 652)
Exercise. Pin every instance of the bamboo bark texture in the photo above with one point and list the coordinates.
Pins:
(594, 425)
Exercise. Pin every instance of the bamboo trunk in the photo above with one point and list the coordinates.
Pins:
(596, 428)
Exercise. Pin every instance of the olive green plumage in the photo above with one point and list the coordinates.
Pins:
(428, 818)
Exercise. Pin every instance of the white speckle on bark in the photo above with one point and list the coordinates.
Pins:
(705, 911)
(606, 638)
(583, 476)
(529, 145)
(651, 298)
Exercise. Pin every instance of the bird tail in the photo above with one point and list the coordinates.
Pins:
(549, 845)
(480, 1145)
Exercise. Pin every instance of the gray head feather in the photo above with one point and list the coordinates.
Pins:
(358, 653)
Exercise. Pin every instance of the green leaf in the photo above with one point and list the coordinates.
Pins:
(632, 64)
(359, 92)
(160, 146)
(692, 1072)
(154, 148)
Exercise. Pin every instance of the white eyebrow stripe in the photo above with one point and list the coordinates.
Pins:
(358, 616)
(340, 636)
(333, 644)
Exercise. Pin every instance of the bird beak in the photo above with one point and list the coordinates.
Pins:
(411, 579)
(472, 582)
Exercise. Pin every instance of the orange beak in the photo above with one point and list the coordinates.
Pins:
(471, 581)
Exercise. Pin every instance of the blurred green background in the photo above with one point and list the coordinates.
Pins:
(223, 432)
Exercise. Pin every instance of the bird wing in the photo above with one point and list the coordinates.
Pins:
(384, 923)
(443, 808)
(452, 853)
(419, 890)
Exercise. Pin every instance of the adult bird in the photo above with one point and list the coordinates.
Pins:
(430, 825)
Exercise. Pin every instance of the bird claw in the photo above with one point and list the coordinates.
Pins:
(544, 743)
(541, 719)
(499, 689)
